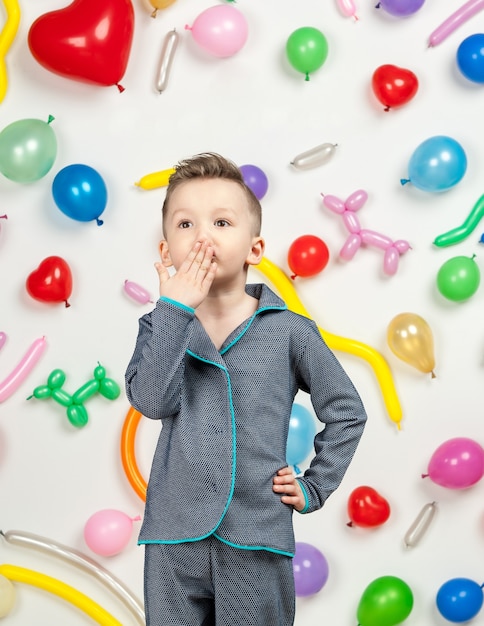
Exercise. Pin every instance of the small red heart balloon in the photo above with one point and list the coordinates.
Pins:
(367, 508)
(89, 40)
(51, 281)
(394, 86)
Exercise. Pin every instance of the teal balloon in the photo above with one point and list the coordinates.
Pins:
(28, 149)
(300, 438)
(80, 192)
(437, 164)
(458, 278)
(307, 49)
(386, 601)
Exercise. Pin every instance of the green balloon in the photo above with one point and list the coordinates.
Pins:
(458, 278)
(307, 49)
(386, 601)
(28, 149)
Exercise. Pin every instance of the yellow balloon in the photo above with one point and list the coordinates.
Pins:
(285, 287)
(7, 35)
(160, 4)
(57, 587)
(410, 339)
(155, 179)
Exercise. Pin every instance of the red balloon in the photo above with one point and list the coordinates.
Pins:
(89, 40)
(394, 86)
(367, 508)
(308, 255)
(51, 281)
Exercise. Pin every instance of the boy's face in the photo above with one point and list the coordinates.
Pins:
(215, 211)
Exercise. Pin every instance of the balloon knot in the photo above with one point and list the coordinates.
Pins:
(432, 374)
(387, 108)
(67, 304)
(99, 222)
(293, 276)
(424, 475)
(120, 87)
(404, 181)
(154, 13)
(187, 27)
(50, 119)
(307, 76)
(350, 524)
(4, 217)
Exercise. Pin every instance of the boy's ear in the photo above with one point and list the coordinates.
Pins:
(165, 254)
(257, 251)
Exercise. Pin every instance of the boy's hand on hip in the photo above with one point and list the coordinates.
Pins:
(285, 482)
(192, 281)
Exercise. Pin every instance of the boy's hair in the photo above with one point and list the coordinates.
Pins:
(212, 165)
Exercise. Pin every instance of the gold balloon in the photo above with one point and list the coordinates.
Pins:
(410, 339)
(160, 4)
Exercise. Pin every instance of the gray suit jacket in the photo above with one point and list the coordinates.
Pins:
(225, 418)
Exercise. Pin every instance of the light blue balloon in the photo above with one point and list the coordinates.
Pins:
(300, 438)
(80, 193)
(437, 164)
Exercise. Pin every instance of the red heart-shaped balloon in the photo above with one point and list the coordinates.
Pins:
(394, 86)
(89, 40)
(51, 281)
(367, 508)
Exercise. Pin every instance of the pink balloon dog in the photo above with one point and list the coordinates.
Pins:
(359, 236)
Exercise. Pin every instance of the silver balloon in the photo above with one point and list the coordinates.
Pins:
(314, 157)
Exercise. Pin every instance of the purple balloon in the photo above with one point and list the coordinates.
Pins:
(310, 569)
(255, 179)
(401, 8)
(457, 463)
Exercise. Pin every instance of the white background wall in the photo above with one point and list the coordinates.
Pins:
(253, 108)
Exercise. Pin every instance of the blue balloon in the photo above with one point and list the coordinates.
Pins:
(470, 58)
(437, 164)
(300, 438)
(460, 599)
(80, 193)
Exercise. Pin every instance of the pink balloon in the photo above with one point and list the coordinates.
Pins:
(108, 531)
(465, 12)
(221, 30)
(22, 369)
(457, 463)
(137, 292)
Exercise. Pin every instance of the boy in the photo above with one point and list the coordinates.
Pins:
(219, 362)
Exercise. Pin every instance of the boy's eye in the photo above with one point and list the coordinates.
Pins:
(221, 223)
(184, 224)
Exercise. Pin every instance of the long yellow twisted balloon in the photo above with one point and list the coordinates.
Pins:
(382, 371)
(7, 35)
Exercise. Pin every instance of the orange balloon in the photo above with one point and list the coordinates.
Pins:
(160, 4)
(410, 339)
(128, 453)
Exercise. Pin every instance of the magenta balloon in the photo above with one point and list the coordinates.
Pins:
(310, 569)
(221, 30)
(255, 179)
(401, 8)
(457, 463)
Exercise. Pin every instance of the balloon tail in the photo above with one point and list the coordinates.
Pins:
(350, 524)
(404, 181)
(307, 76)
(67, 304)
(296, 469)
(187, 27)
(50, 119)
(99, 222)
(387, 108)
(293, 276)
(432, 374)
(4, 217)
(154, 13)
(120, 87)
(424, 475)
